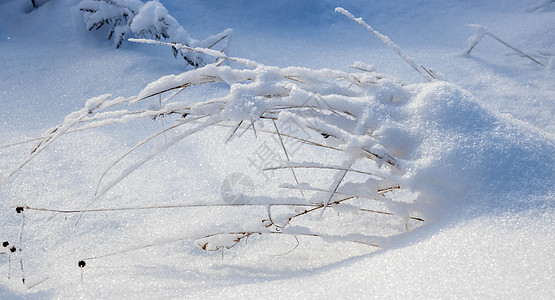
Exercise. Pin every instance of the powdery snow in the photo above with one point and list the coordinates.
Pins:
(473, 155)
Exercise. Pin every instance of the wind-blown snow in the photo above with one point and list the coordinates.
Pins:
(477, 148)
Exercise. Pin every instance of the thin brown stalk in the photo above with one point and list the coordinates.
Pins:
(154, 207)
(319, 167)
(515, 49)
(182, 86)
(306, 211)
(216, 42)
(233, 132)
(290, 251)
(388, 190)
(388, 213)
(240, 233)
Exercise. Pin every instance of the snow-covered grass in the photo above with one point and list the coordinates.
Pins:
(474, 155)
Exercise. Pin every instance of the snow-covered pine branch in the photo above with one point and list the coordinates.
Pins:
(133, 18)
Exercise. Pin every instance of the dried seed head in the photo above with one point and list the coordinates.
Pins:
(5, 244)
(12, 249)
(19, 209)
(81, 264)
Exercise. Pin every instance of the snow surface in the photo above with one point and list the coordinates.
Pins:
(480, 145)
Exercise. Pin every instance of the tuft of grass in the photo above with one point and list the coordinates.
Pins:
(327, 104)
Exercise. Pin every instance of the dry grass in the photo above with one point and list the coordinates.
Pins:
(327, 103)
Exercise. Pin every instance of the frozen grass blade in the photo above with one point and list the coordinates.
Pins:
(134, 167)
(482, 31)
(286, 155)
(386, 40)
(140, 144)
(233, 132)
(214, 53)
(48, 138)
(515, 49)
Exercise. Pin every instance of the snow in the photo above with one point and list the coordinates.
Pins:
(474, 153)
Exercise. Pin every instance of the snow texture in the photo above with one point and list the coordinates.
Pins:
(364, 180)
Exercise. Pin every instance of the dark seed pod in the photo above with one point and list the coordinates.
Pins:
(19, 209)
(12, 249)
(5, 244)
(81, 264)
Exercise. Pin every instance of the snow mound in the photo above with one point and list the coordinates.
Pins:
(466, 151)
